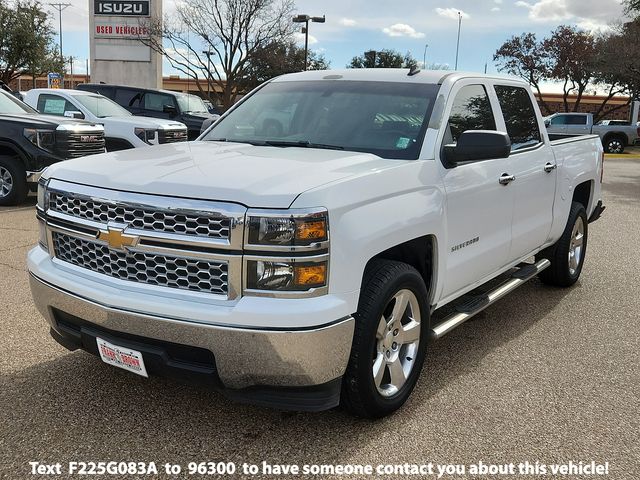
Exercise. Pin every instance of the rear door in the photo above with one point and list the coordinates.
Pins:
(533, 164)
(478, 208)
(578, 124)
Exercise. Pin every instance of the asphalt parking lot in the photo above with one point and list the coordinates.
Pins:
(544, 375)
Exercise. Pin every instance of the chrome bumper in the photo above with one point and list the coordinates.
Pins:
(244, 357)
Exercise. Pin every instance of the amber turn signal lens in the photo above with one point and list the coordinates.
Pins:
(311, 275)
(312, 230)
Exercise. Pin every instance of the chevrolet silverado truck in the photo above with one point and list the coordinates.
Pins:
(29, 142)
(122, 129)
(309, 267)
(615, 138)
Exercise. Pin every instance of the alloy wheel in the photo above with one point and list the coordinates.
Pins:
(6, 182)
(576, 246)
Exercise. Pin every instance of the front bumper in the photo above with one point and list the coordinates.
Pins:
(293, 369)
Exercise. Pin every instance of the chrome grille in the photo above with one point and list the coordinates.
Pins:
(199, 224)
(80, 144)
(172, 136)
(153, 269)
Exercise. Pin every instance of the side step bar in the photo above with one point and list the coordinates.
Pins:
(477, 304)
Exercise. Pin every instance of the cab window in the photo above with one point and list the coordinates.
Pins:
(157, 101)
(54, 105)
(519, 117)
(471, 110)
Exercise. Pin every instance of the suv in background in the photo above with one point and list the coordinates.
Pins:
(181, 107)
(30, 142)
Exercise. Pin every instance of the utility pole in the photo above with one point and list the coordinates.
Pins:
(424, 57)
(71, 63)
(86, 75)
(305, 19)
(60, 7)
(208, 54)
(458, 44)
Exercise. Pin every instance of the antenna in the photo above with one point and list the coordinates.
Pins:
(413, 70)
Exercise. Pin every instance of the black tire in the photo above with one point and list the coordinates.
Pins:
(560, 273)
(382, 281)
(614, 144)
(14, 189)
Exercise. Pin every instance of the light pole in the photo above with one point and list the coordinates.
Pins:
(424, 56)
(208, 54)
(60, 7)
(305, 19)
(458, 44)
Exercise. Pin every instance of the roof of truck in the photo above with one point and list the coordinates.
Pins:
(388, 75)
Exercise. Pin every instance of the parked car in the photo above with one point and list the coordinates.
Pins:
(30, 142)
(122, 129)
(615, 138)
(300, 269)
(180, 107)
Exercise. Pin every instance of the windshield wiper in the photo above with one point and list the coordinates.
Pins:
(301, 143)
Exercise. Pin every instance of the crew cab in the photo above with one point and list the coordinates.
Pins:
(30, 142)
(615, 137)
(180, 107)
(313, 266)
(122, 129)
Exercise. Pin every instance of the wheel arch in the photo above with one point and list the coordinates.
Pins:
(583, 193)
(621, 135)
(421, 253)
(12, 150)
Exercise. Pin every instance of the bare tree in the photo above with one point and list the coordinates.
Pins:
(233, 31)
(526, 57)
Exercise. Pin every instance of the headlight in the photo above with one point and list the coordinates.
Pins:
(147, 136)
(44, 139)
(287, 275)
(287, 230)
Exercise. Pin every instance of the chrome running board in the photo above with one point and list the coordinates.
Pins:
(475, 305)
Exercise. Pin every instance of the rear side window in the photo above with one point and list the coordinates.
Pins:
(576, 119)
(157, 101)
(127, 97)
(519, 116)
(558, 120)
(471, 110)
(54, 105)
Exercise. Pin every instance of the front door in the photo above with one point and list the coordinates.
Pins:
(479, 208)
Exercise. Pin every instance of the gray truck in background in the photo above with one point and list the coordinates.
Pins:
(615, 138)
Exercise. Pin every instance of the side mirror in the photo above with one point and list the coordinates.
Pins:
(475, 145)
(208, 122)
(170, 109)
(74, 114)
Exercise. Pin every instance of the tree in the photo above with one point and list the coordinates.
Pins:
(26, 42)
(383, 59)
(525, 57)
(572, 53)
(279, 58)
(234, 31)
(631, 6)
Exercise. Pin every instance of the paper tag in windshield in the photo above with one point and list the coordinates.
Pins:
(403, 142)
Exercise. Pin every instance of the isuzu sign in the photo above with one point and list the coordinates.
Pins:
(138, 8)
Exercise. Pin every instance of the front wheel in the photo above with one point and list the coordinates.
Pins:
(568, 254)
(390, 340)
(13, 181)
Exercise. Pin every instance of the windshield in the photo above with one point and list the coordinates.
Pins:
(11, 105)
(101, 106)
(387, 119)
(191, 103)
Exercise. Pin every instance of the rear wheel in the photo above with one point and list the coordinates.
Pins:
(614, 145)
(568, 254)
(390, 340)
(13, 181)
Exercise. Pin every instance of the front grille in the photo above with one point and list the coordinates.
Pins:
(172, 136)
(80, 144)
(153, 269)
(199, 224)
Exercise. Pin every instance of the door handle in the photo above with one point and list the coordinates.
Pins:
(550, 167)
(506, 179)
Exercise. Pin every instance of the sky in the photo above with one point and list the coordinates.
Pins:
(355, 26)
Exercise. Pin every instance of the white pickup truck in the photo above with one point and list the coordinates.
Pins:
(122, 129)
(302, 268)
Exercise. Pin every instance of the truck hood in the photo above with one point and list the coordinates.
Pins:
(141, 122)
(255, 176)
(41, 121)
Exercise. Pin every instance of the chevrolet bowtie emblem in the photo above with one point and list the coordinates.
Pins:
(117, 239)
